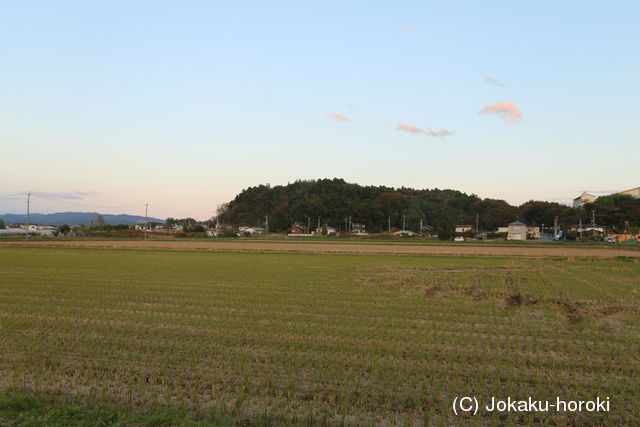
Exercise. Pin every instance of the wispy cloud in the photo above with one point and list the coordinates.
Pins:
(494, 82)
(438, 133)
(265, 96)
(505, 110)
(339, 117)
(427, 131)
(70, 195)
(408, 29)
(350, 106)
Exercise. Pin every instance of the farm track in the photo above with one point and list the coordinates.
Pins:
(372, 248)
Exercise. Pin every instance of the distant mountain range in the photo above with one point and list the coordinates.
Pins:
(74, 218)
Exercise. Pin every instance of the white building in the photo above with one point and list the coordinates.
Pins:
(585, 197)
(517, 231)
(463, 228)
(635, 192)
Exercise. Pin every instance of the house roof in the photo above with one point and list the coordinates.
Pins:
(584, 193)
(631, 189)
(517, 223)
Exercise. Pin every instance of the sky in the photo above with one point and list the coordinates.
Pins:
(106, 106)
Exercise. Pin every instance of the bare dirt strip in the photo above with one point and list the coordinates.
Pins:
(340, 248)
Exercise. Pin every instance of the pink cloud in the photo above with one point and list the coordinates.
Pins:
(265, 96)
(408, 128)
(339, 117)
(428, 131)
(505, 110)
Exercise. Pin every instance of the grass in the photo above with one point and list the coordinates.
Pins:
(40, 410)
(260, 339)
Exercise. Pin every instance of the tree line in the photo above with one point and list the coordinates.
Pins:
(333, 200)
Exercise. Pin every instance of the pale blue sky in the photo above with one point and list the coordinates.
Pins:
(184, 104)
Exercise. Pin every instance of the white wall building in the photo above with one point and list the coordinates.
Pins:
(635, 192)
(517, 231)
(585, 197)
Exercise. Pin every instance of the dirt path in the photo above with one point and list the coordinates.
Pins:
(342, 248)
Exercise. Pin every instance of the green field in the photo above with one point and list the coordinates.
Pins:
(98, 337)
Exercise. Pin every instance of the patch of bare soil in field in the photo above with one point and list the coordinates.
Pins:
(288, 246)
(500, 284)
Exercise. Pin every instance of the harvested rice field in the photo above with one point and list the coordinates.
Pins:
(332, 246)
(168, 337)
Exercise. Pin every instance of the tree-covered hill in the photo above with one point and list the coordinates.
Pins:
(334, 200)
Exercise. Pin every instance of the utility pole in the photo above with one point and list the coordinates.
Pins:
(308, 225)
(403, 222)
(346, 227)
(146, 208)
(420, 230)
(350, 225)
(266, 223)
(580, 229)
(555, 228)
(389, 220)
(28, 211)
(477, 223)
(318, 223)
(593, 222)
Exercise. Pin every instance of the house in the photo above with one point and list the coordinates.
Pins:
(502, 230)
(582, 199)
(635, 192)
(587, 228)
(43, 230)
(463, 228)
(517, 231)
(358, 229)
(405, 233)
(621, 238)
(251, 231)
(533, 232)
(331, 231)
(426, 229)
(220, 229)
(299, 228)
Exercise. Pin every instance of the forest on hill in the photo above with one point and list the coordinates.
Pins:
(334, 200)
